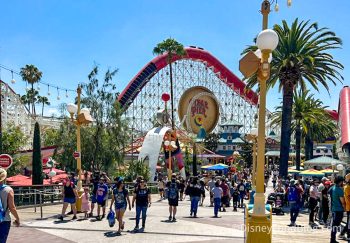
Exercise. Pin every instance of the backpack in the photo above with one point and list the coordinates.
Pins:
(2, 209)
(293, 195)
(173, 191)
(241, 188)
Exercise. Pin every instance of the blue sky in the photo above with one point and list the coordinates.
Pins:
(65, 38)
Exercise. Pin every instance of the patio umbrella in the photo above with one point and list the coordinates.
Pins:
(312, 172)
(204, 167)
(329, 171)
(218, 167)
(292, 171)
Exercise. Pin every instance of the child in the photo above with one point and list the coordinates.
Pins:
(217, 195)
(85, 204)
(235, 197)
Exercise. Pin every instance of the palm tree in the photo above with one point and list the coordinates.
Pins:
(302, 57)
(172, 48)
(29, 97)
(307, 112)
(32, 75)
(44, 101)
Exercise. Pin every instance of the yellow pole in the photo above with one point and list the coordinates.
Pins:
(254, 163)
(79, 189)
(259, 222)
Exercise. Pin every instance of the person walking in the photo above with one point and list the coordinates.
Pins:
(337, 206)
(161, 189)
(314, 195)
(182, 188)
(173, 197)
(142, 196)
(217, 195)
(210, 186)
(70, 196)
(85, 204)
(225, 194)
(325, 203)
(120, 200)
(195, 192)
(242, 192)
(7, 205)
(101, 198)
(294, 192)
(202, 184)
(320, 188)
(346, 229)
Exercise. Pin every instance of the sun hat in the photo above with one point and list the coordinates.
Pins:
(3, 174)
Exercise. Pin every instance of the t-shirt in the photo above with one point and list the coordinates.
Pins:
(3, 197)
(347, 197)
(336, 193)
(120, 196)
(211, 185)
(68, 191)
(95, 186)
(173, 190)
(142, 197)
(225, 189)
(217, 191)
(101, 193)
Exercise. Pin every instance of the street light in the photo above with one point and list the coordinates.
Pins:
(79, 117)
(249, 65)
(340, 168)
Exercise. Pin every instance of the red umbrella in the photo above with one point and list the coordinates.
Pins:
(15, 178)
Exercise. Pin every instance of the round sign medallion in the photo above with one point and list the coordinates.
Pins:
(200, 108)
(5, 161)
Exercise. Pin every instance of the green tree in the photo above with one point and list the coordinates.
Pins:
(172, 48)
(302, 57)
(307, 112)
(211, 141)
(29, 97)
(137, 168)
(37, 177)
(13, 141)
(32, 75)
(43, 100)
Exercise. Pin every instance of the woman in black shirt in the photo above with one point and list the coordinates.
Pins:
(142, 196)
(69, 197)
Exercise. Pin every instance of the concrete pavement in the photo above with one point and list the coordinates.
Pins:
(205, 228)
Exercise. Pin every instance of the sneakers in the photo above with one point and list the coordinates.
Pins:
(74, 218)
(292, 224)
(174, 219)
(141, 230)
(60, 218)
(170, 218)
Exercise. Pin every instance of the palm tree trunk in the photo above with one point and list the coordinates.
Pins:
(32, 98)
(42, 109)
(287, 106)
(298, 145)
(172, 96)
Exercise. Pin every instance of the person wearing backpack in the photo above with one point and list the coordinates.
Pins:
(7, 205)
(242, 192)
(120, 199)
(294, 192)
(173, 197)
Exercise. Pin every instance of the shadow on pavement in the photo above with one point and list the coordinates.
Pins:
(61, 221)
(110, 234)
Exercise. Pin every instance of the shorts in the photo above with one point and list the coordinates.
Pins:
(93, 199)
(224, 200)
(69, 200)
(102, 204)
(173, 202)
(161, 190)
(120, 206)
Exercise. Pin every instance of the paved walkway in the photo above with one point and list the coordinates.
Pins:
(228, 228)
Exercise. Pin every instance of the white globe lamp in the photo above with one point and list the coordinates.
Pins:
(258, 54)
(72, 108)
(267, 40)
(52, 173)
(254, 131)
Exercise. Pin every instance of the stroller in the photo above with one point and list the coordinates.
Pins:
(276, 202)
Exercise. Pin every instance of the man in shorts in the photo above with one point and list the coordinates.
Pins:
(173, 197)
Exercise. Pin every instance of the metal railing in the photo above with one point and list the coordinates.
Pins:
(39, 196)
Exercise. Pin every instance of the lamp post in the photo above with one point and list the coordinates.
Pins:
(250, 64)
(79, 117)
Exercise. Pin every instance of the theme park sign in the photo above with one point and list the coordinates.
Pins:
(198, 107)
(5, 161)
